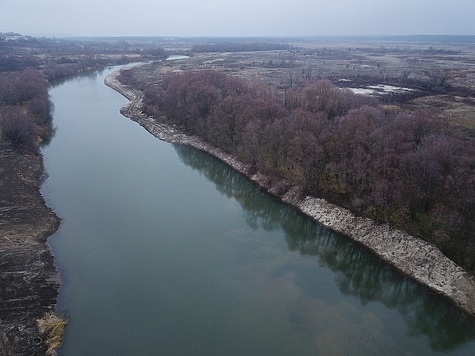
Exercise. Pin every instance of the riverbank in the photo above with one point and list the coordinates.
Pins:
(28, 277)
(412, 256)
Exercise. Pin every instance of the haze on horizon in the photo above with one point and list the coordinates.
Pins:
(237, 18)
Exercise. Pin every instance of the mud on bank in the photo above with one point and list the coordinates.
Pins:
(28, 278)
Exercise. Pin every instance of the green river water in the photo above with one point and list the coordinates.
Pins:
(164, 250)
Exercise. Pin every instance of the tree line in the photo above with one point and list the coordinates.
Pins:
(401, 168)
(239, 47)
(62, 58)
(28, 66)
(25, 109)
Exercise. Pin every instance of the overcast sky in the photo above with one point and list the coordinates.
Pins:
(236, 17)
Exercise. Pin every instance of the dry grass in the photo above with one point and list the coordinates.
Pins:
(51, 327)
(357, 65)
(457, 111)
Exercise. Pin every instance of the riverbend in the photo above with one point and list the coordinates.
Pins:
(165, 249)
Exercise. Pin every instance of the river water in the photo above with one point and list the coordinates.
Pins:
(164, 250)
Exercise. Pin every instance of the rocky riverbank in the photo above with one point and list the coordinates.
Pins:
(28, 278)
(414, 257)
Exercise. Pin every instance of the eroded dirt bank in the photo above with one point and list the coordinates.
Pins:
(28, 278)
(412, 256)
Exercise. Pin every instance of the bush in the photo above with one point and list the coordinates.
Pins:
(18, 129)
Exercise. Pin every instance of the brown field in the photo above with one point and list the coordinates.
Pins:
(436, 77)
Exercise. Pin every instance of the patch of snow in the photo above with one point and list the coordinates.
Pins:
(389, 88)
(175, 57)
(362, 91)
(380, 89)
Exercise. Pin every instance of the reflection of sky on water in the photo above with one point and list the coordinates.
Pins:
(389, 313)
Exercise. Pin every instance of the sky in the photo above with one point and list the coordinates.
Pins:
(237, 18)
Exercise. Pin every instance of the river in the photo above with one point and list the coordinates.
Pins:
(164, 250)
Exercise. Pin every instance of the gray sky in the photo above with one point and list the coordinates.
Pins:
(237, 17)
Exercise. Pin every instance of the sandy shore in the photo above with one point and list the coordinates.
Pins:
(414, 257)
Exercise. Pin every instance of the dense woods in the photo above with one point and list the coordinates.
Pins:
(402, 168)
(25, 109)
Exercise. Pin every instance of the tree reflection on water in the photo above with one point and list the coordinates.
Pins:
(358, 272)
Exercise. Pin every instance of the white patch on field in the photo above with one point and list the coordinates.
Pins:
(380, 89)
(175, 57)
(362, 91)
(389, 88)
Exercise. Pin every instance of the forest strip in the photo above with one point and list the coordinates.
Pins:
(414, 257)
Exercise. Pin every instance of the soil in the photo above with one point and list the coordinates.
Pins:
(28, 278)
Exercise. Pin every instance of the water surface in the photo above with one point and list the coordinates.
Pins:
(164, 250)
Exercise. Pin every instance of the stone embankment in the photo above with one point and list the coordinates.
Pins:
(414, 257)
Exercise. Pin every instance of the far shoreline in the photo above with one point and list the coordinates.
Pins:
(412, 256)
